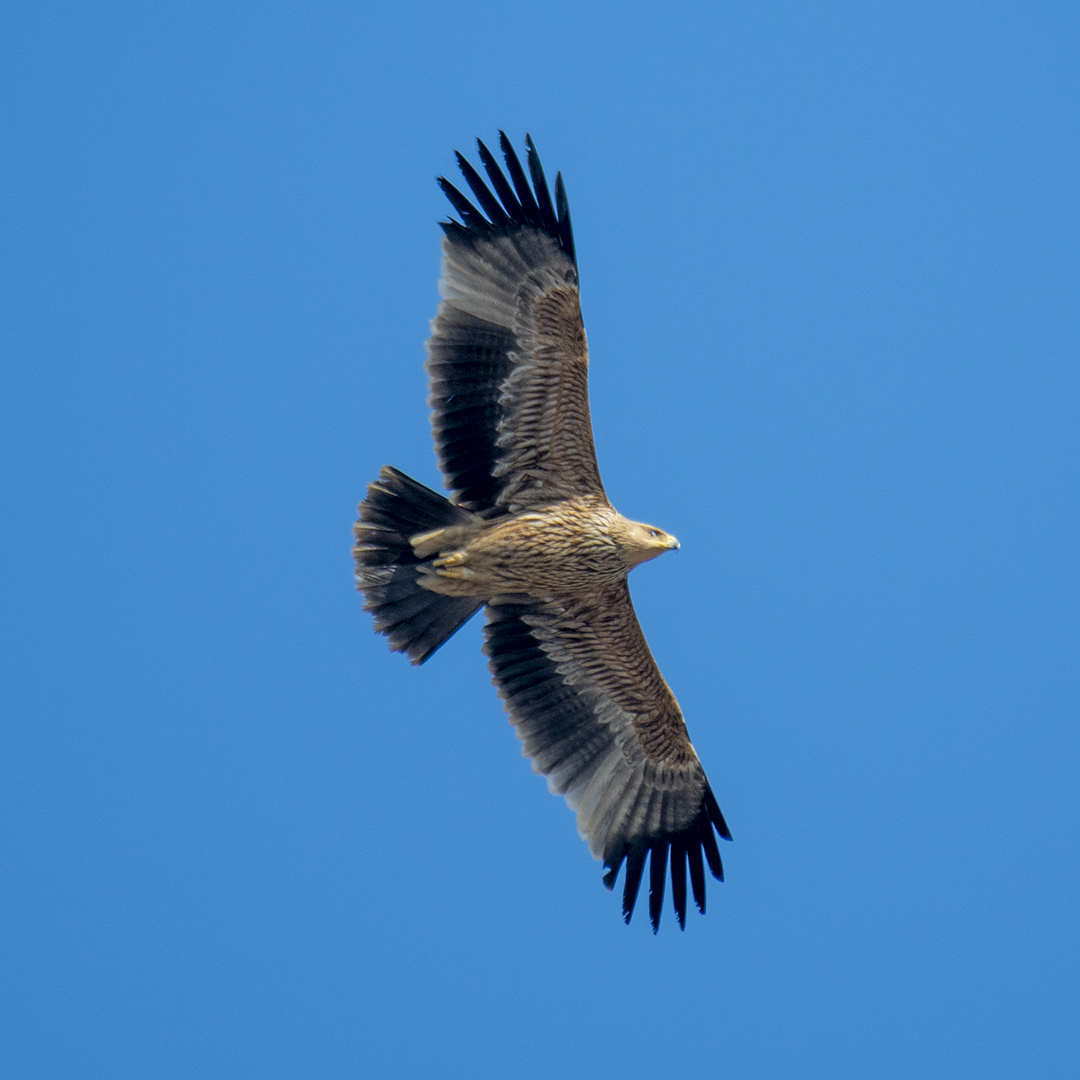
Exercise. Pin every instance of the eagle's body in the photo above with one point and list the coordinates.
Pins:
(530, 535)
(573, 547)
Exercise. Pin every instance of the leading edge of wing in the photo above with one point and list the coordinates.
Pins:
(513, 204)
(629, 808)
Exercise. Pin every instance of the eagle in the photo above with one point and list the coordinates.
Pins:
(529, 535)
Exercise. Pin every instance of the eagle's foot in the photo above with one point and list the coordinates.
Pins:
(452, 565)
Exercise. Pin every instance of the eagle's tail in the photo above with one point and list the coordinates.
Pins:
(416, 620)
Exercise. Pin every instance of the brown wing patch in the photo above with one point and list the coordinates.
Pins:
(598, 720)
(546, 433)
(507, 359)
(604, 636)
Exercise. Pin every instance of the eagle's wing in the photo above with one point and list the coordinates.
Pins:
(598, 720)
(507, 360)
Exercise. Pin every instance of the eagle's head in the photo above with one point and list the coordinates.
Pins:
(639, 542)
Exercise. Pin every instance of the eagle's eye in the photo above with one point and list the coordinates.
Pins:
(654, 533)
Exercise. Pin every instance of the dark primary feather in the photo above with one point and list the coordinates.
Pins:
(657, 869)
(635, 865)
(490, 204)
(678, 879)
(474, 220)
(498, 182)
(543, 196)
(697, 867)
(530, 211)
(712, 807)
(566, 231)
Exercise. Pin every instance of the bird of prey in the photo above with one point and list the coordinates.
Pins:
(529, 535)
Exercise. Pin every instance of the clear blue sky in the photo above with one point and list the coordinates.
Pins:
(829, 261)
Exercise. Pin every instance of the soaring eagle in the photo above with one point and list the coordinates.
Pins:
(529, 535)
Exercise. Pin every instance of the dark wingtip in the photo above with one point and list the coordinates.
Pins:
(523, 200)
(691, 850)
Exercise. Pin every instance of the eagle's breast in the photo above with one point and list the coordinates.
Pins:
(563, 549)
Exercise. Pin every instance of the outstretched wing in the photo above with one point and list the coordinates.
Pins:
(598, 720)
(507, 359)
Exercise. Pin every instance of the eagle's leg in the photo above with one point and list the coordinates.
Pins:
(450, 581)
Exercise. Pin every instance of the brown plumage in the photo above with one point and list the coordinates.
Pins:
(529, 534)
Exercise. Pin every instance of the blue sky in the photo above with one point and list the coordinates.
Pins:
(829, 260)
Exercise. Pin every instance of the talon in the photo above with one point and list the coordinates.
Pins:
(454, 559)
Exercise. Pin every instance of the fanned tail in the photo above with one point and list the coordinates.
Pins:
(416, 620)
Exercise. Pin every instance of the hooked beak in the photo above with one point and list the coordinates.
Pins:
(673, 544)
